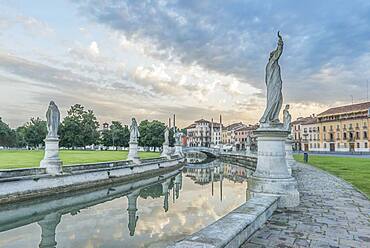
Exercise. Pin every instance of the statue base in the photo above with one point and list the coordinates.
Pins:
(166, 152)
(133, 152)
(51, 160)
(289, 155)
(272, 176)
(178, 151)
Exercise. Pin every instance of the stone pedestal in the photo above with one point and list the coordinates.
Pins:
(178, 150)
(166, 152)
(48, 226)
(289, 155)
(51, 160)
(271, 176)
(133, 152)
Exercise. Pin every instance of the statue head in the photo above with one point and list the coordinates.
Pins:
(287, 107)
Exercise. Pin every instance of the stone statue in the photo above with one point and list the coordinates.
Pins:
(134, 131)
(166, 136)
(287, 119)
(178, 136)
(53, 120)
(274, 86)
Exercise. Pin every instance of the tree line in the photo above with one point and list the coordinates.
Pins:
(79, 129)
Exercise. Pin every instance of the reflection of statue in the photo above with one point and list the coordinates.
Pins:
(274, 86)
(132, 209)
(53, 120)
(134, 131)
(287, 119)
(48, 230)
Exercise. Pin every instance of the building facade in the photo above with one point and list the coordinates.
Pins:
(338, 129)
(204, 133)
(345, 128)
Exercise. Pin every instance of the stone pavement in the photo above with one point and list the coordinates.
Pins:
(331, 214)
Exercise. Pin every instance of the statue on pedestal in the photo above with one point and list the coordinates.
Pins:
(166, 136)
(134, 131)
(51, 161)
(274, 87)
(53, 120)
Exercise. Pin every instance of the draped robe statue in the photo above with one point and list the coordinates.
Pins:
(287, 118)
(274, 87)
(134, 131)
(53, 120)
(166, 136)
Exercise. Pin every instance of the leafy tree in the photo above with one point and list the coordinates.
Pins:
(7, 135)
(35, 132)
(116, 135)
(151, 133)
(21, 136)
(79, 127)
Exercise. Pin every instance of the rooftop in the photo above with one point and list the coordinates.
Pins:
(346, 109)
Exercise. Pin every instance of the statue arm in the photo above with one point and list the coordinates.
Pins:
(279, 49)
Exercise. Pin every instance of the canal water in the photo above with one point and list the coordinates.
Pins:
(151, 212)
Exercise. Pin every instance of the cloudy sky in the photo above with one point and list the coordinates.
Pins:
(197, 59)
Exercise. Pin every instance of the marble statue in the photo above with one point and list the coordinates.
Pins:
(53, 120)
(134, 131)
(178, 136)
(166, 136)
(274, 87)
(287, 119)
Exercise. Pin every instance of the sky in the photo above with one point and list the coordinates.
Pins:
(196, 59)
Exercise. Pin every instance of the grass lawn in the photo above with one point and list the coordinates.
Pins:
(354, 170)
(24, 158)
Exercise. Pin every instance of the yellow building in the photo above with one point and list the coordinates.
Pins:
(344, 128)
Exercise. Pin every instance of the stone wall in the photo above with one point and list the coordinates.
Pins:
(249, 162)
(24, 184)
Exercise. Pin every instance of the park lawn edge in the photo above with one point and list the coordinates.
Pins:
(367, 195)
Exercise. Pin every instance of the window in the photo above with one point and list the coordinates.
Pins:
(338, 145)
(344, 126)
(338, 136)
(365, 135)
(365, 144)
(345, 145)
(344, 135)
(324, 128)
(324, 145)
(358, 145)
(357, 135)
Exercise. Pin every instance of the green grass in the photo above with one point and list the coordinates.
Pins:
(24, 158)
(354, 170)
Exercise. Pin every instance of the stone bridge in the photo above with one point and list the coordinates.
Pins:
(210, 152)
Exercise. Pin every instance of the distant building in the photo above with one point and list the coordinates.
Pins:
(228, 133)
(199, 133)
(297, 132)
(345, 128)
(338, 129)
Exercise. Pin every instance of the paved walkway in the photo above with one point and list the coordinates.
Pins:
(331, 214)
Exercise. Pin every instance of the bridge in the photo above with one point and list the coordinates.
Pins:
(210, 152)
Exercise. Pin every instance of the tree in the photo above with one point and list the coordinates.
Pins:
(79, 128)
(151, 133)
(20, 133)
(35, 132)
(7, 135)
(116, 135)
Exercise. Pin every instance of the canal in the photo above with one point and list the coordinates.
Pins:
(150, 212)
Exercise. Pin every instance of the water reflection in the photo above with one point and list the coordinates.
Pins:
(95, 219)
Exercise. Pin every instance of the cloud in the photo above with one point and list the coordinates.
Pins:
(236, 38)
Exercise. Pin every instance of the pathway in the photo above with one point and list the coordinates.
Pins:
(331, 214)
